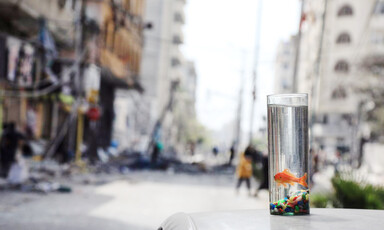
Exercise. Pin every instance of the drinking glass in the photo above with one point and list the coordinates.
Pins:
(288, 154)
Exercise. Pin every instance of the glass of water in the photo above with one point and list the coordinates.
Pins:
(288, 154)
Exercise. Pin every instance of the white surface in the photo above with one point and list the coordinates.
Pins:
(261, 219)
(152, 197)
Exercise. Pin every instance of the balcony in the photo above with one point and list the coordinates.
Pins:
(23, 16)
(177, 39)
(179, 17)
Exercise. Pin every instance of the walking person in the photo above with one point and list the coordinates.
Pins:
(232, 152)
(215, 150)
(157, 148)
(244, 171)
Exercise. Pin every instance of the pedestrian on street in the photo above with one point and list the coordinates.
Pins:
(244, 171)
(215, 150)
(4, 168)
(232, 154)
(264, 173)
(158, 146)
(9, 143)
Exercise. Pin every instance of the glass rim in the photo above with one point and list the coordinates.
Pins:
(298, 95)
(293, 99)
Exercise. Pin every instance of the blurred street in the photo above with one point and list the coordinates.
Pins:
(116, 114)
(138, 200)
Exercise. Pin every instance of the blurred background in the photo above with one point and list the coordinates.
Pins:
(118, 113)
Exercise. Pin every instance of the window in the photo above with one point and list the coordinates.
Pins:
(340, 140)
(377, 38)
(379, 8)
(177, 40)
(175, 62)
(347, 118)
(325, 119)
(322, 119)
(339, 93)
(374, 64)
(342, 66)
(61, 4)
(346, 10)
(343, 38)
(178, 17)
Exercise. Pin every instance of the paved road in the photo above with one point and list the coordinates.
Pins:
(140, 200)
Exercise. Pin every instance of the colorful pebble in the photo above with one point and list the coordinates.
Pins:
(296, 203)
(288, 214)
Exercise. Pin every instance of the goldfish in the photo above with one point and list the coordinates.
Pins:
(286, 177)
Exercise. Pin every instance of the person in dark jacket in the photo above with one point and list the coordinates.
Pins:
(157, 148)
(9, 143)
(231, 154)
(265, 181)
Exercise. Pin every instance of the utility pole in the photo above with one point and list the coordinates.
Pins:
(158, 125)
(316, 83)
(297, 55)
(237, 138)
(75, 132)
(316, 88)
(255, 65)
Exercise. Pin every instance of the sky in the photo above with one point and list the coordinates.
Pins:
(219, 35)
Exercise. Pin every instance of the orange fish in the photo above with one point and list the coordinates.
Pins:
(286, 177)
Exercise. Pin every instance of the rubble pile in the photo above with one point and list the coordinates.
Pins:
(31, 176)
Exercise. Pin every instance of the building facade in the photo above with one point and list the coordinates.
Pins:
(162, 67)
(285, 64)
(33, 38)
(337, 38)
(64, 62)
(119, 52)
